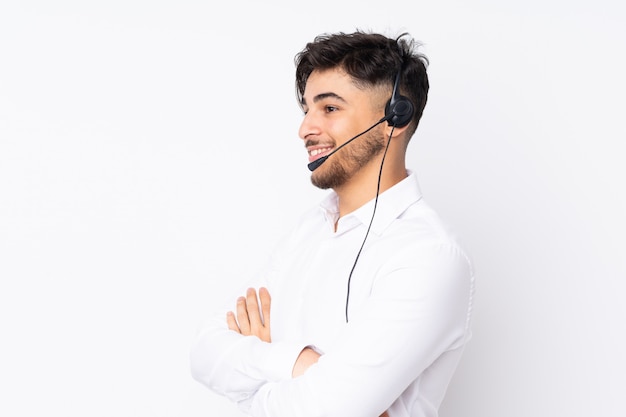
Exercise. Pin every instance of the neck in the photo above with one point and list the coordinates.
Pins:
(363, 185)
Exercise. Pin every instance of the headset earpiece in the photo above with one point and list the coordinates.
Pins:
(399, 109)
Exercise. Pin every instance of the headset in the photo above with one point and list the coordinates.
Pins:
(399, 109)
(398, 113)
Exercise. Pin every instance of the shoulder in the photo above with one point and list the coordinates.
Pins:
(420, 225)
(421, 240)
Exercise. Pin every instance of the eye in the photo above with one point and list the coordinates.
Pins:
(330, 109)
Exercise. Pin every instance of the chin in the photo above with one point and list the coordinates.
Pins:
(331, 176)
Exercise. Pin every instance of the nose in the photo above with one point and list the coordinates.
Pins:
(309, 126)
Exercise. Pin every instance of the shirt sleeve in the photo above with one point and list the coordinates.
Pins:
(414, 314)
(237, 366)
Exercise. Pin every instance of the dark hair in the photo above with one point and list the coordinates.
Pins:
(370, 59)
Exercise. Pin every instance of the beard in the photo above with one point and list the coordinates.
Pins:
(341, 167)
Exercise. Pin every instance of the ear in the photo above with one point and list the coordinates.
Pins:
(395, 132)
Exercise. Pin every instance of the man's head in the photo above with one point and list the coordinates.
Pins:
(371, 60)
(344, 82)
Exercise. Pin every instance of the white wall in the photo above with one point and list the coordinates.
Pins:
(149, 156)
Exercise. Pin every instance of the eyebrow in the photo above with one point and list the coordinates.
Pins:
(323, 96)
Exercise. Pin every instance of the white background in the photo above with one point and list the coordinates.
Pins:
(149, 158)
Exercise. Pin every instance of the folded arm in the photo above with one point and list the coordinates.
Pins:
(412, 316)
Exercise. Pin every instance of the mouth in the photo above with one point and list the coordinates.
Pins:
(316, 152)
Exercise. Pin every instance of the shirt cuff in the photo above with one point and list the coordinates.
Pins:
(281, 357)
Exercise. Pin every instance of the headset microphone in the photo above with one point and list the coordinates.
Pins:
(315, 164)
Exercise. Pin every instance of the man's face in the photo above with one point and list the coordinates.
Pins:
(336, 111)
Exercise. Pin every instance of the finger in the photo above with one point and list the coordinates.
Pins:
(242, 316)
(252, 303)
(232, 322)
(266, 302)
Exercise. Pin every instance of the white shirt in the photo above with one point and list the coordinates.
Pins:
(410, 305)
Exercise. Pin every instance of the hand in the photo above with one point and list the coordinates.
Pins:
(250, 320)
(306, 358)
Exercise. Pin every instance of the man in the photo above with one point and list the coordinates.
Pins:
(371, 296)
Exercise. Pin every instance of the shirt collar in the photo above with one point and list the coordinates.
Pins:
(391, 204)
